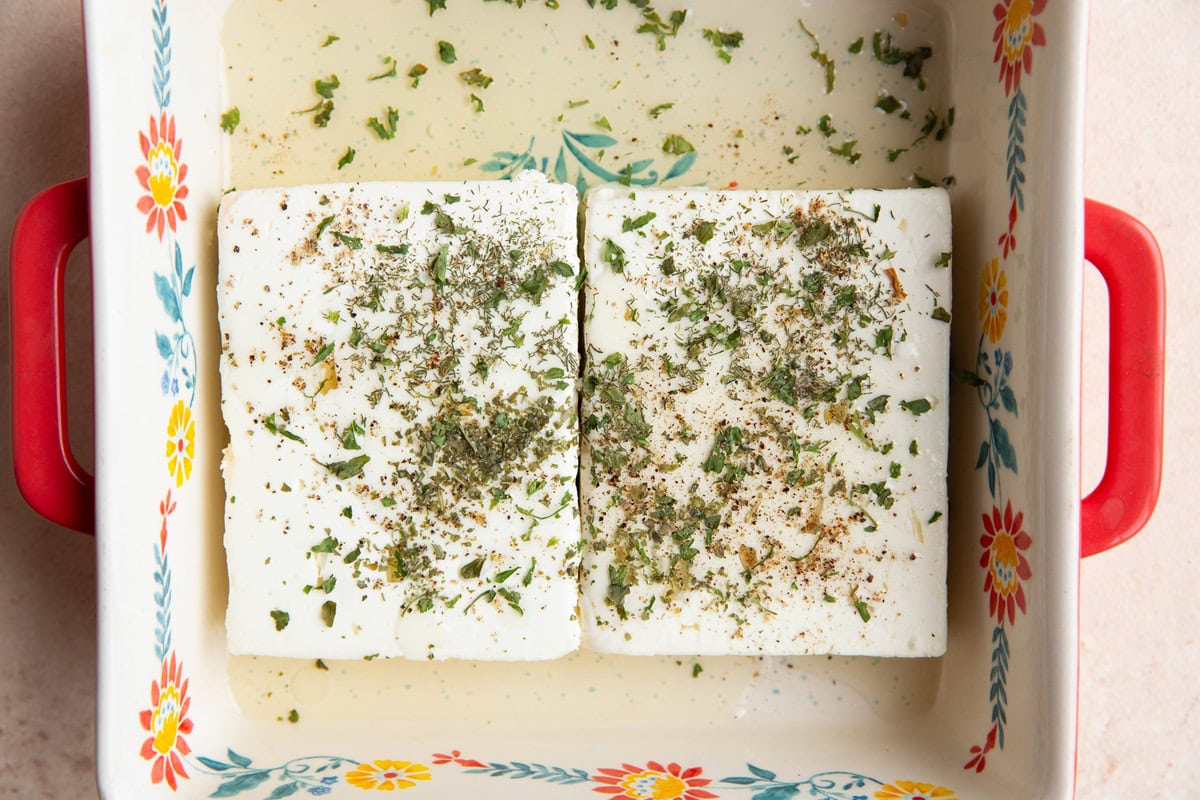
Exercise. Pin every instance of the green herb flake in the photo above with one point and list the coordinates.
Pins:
(888, 104)
(704, 231)
(230, 120)
(613, 255)
(330, 39)
(293, 716)
(913, 449)
(387, 502)
(676, 145)
(856, 46)
(655, 25)
(883, 340)
(916, 407)
(847, 151)
(436, 5)
(821, 57)
(322, 225)
(527, 578)
(561, 268)
(943, 260)
(390, 72)
(577, 103)
(934, 517)
(325, 86)
(862, 608)
(587, 40)
(326, 545)
(660, 108)
(344, 470)
(724, 42)
(385, 129)
(603, 124)
(346, 158)
(475, 77)
(940, 314)
(416, 73)
(321, 665)
(477, 102)
(825, 126)
(632, 224)
(282, 618)
(327, 585)
(446, 52)
(894, 470)
(440, 261)
(328, 612)
(913, 60)
(472, 569)
(696, 670)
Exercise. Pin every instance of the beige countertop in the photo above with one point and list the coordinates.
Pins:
(1139, 699)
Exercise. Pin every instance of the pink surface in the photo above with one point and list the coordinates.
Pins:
(1136, 614)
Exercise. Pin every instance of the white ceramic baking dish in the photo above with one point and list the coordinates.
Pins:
(994, 718)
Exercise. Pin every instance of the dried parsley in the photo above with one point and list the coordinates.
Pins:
(475, 77)
(821, 57)
(230, 120)
(676, 145)
(613, 255)
(446, 52)
(724, 42)
(913, 60)
(916, 407)
(282, 618)
(629, 224)
(416, 72)
(382, 130)
(390, 72)
(346, 158)
(345, 470)
(328, 612)
(660, 108)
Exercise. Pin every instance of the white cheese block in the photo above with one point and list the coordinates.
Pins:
(398, 377)
(765, 421)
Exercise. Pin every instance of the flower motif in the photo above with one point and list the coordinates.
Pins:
(167, 721)
(652, 782)
(1004, 561)
(1015, 37)
(162, 176)
(993, 300)
(315, 790)
(166, 507)
(181, 443)
(385, 775)
(911, 790)
(455, 756)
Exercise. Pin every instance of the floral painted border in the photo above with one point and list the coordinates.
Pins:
(1004, 540)
(672, 781)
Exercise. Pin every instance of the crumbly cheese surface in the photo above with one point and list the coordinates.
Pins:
(398, 378)
(765, 421)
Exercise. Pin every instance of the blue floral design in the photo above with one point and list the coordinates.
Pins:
(576, 147)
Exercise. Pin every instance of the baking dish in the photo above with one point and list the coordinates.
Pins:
(995, 718)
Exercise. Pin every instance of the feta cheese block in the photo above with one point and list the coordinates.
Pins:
(398, 377)
(765, 421)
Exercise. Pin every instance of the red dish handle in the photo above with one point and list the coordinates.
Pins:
(49, 477)
(1128, 258)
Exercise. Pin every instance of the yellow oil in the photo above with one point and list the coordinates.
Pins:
(582, 114)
